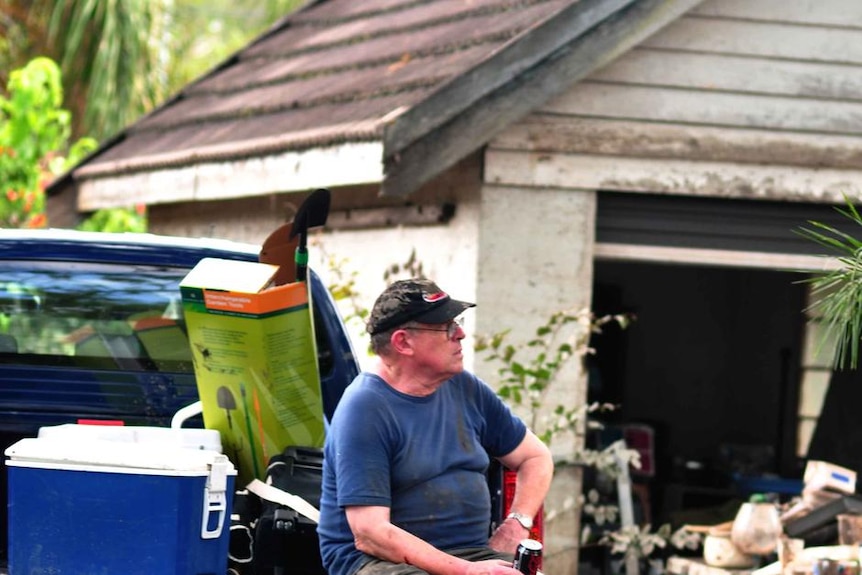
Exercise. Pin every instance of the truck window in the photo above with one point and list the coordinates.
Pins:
(92, 315)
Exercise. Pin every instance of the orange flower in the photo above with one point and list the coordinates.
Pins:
(11, 195)
(38, 221)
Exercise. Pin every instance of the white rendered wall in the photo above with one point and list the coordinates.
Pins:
(536, 259)
(447, 253)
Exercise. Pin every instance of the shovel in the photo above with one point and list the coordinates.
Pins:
(225, 400)
(311, 214)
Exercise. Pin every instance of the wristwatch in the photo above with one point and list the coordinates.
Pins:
(526, 522)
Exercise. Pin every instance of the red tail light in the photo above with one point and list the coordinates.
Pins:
(101, 422)
(509, 480)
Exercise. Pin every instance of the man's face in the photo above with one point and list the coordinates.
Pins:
(437, 347)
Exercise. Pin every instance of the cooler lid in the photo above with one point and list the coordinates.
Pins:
(108, 455)
(190, 438)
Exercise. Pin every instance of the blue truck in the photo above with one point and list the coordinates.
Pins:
(70, 345)
(73, 344)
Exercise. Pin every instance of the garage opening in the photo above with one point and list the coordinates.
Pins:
(720, 363)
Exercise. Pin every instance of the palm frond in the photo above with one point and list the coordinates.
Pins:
(837, 294)
(113, 48)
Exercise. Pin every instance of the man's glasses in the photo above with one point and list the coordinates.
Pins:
(451, 328)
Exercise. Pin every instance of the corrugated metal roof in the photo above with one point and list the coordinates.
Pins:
(428, 81)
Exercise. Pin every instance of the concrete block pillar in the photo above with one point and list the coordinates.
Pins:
(535, 258)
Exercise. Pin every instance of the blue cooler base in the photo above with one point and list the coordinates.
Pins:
(70, 522)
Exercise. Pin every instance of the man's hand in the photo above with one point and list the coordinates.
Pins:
(507, 536)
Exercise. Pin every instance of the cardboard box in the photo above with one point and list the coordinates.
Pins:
(823, 475)
(118, 502)
(255, 360)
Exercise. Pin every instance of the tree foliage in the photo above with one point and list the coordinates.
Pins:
(526, 372)
(121, 58)
(34, 142)
(116, 50)
(117, 220)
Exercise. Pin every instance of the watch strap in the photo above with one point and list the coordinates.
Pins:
(526, 522)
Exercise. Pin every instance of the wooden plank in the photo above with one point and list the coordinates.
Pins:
(144, 154)
(690, 566)
(761, 39)
(369, 218)
(61, 209)
(252, 176)
(718, 108)
(410, 167)
(715, 179)
(744, 74)
(543, 133)
(840, 13)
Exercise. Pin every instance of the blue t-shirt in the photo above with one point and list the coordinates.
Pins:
(423, 457)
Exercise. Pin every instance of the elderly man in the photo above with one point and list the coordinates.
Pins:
(404, 484)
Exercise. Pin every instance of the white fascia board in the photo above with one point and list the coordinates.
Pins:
(672, 176)
(293, 171)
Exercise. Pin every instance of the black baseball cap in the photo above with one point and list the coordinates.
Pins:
(415, 299)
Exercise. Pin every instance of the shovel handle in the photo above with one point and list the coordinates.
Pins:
(301, 260)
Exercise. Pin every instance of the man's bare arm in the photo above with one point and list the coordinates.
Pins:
(534, 467)
(374, 535)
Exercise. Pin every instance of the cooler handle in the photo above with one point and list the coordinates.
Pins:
(215, 498)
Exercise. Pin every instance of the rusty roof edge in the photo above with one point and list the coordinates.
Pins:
(515, 57)
(406, 169)
(364, 131)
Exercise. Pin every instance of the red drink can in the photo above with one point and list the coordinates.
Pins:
(528, 557)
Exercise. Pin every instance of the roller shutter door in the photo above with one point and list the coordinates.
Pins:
(711, 230)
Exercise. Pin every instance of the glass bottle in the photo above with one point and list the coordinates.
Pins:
(756, 528)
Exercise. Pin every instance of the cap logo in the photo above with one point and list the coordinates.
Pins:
(434, 297)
